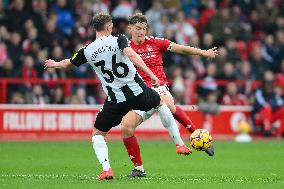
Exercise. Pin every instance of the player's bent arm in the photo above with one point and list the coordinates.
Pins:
(66, 63)
(187, 50)
(137, 61)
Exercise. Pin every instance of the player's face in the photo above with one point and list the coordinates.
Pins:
(138, 32)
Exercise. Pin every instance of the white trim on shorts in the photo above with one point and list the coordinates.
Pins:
(161, 90)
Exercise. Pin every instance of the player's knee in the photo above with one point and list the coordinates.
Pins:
(98, 132)
(172, 107)
(168, 100)
(127, 129)
(127, 132)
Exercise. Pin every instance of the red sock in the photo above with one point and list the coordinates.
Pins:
(133, 150)
(181, 117)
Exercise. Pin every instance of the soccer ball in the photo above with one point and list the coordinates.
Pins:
(200, 139)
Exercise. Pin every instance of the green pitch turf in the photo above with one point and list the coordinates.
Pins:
(74, 165)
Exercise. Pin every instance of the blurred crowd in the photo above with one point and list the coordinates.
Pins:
(249, 35)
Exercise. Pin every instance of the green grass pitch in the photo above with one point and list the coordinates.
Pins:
(74, 165)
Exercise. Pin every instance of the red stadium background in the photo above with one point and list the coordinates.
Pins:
(50, 122)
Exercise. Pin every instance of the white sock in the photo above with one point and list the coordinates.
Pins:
(140, 168)
(101, 150)
(169, 123)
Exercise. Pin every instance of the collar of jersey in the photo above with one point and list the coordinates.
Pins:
(102, 37)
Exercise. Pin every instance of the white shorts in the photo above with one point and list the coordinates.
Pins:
(161, 90)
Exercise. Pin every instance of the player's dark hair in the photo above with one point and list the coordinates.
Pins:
(137, 18)
(99, 21)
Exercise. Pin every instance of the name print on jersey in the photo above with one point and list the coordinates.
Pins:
(103, 49)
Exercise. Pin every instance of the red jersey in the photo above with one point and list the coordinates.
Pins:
(151, 53)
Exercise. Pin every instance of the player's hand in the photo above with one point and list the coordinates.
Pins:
(155, 81)
(211, 53)
(49, 64)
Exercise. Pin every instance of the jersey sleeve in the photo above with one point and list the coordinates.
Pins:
(79, 58)
(122, 42)
(163, 44)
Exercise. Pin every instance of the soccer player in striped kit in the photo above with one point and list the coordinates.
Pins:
(113, 59)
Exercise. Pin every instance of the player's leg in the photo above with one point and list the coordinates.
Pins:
(181, 117)
(168, 121)
(178, 113)
(110, 116)
(145, 101)
(101, 150)
(128, 125)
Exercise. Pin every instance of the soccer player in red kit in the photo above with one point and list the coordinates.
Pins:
(150, 50)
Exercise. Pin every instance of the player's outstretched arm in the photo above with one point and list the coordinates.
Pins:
(187, 50)
(53, 64)
(137, 61)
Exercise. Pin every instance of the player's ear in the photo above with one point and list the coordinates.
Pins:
(109, 27)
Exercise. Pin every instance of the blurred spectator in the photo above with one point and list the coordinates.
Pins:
(81, 97)
(233, 52)
(16, 16)
(37, 96)
(28, 71)
(198, 66)
(184, 30)
(17, 98)
(7, 69)
(58, 54)
(2, 13)
(269, 105)
(51, 75)
(40, 7)
(58, 96)
(245, 73)
(258, 64)
(209, 83)
(162, 25)
(221, 58)
(269, 51)
(207, 11)
(281, 70)
(280, 44)
(64, 18)
(3, 53)
(83, 26)
(209, 107)
(4, 34)
(155, 13)
(178, 85)
(222, 26)
(232, 97)
(207, 41)
(228, 72)
(32, 37)
(14, 49)
(210, 104)
(171, 5)
(99, 6)
(123, 10)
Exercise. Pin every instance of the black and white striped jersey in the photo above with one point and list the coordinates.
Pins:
(117, 73)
